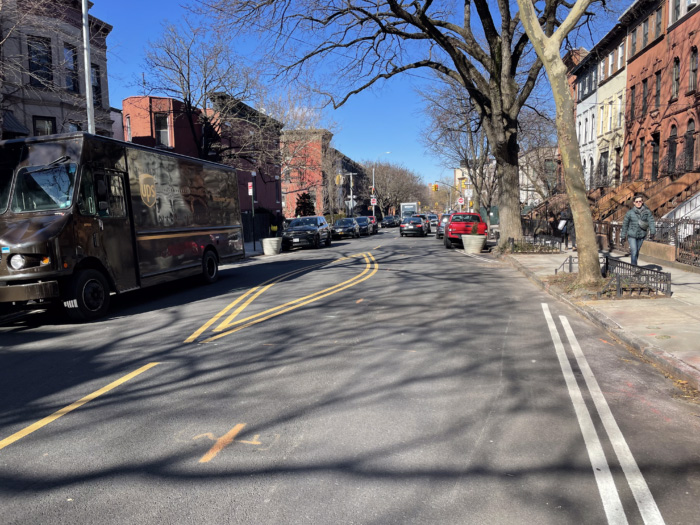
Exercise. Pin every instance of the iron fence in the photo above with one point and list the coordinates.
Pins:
(535, 244)
(626, 277)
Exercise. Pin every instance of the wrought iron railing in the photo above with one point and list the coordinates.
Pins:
(625, 277)
(535, 244)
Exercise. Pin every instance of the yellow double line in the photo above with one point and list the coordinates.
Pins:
(246, 299)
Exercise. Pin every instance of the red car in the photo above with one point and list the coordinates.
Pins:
(463, 223)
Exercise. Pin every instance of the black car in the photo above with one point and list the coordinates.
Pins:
(426, 222)
(364, 224)
(345, 228)
(390, 221)
(306, 231)
(413, 226)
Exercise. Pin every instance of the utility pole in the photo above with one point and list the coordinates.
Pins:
(373, 188)
(89, 102)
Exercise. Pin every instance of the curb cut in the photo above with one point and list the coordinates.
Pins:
(668, 363)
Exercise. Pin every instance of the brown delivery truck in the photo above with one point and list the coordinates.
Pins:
(83, 216)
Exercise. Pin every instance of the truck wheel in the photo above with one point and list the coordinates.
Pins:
(448, 242)
(88, 296)
(210, 267)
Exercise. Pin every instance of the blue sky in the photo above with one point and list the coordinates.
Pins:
(371, 123)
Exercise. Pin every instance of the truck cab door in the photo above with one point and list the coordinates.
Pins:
(106, 225)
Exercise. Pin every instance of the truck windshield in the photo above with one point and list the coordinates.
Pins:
(40, 188)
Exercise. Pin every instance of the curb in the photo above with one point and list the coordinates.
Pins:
(668, 363)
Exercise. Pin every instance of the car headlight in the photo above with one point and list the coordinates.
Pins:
(18, 261)
(310, 232)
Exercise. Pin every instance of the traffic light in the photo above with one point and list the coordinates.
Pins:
(435, 187)
(471, 204)
(464, 183)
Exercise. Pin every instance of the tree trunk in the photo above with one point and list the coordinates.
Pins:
(507, 171)
(589, 265)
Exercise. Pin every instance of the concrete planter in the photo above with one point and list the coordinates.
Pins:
(473, 243)
(272, 245)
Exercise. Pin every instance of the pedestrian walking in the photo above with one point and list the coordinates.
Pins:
(567, 228)
(638, 222)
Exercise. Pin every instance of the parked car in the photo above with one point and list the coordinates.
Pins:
(440, 231)
(413, 226)
(347, 227)
(375, 224)
(463, 223)
(364, 224)
(426, 221)
(306, 231)
(389, 221)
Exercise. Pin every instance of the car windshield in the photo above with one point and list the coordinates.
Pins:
(465, 218)
(344, 222)
(362, 220)
(303, 221)
(432, 217)
(47, 187)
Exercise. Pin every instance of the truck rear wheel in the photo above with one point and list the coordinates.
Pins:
(210, 267)
(88, 296)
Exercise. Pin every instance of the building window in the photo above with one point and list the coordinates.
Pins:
(630, 158)
(592, 125)
(621, 55)
(611, 63)
(645, 33)
(633, 89)
(40, 64)
(672, 149)
(44, 126)
(633, 42)
(690, 146)
(693, 75)
(96, 82)
(579, 132)
(658, 23)
(128, 128)
(676, 10)
(676, 78)
(641, 159)
(619, 111)
(162, 133)
(603, 168)
(610, 115)
(602, 69)
(657, 95)
(645, 94)
(602, 120)
(655, 157)
(74, 126)
(70, 68)
(585, 131)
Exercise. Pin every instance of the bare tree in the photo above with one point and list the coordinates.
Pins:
(548, 48)
(539, 154)
(395, 184)
(455, 134)
(368, 42)
(189, 64)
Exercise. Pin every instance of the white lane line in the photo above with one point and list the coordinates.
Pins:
(601, 470)
(474, 256)
(642, 495)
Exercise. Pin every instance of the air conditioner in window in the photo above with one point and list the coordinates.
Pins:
(692, 4)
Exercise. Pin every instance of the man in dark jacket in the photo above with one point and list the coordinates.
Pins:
(638, 222)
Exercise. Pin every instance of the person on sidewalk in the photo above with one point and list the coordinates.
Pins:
(638, 222)
(569, 229)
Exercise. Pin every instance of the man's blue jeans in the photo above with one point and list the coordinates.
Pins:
(635, 246)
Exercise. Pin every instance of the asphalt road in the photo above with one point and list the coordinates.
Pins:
(381, 380)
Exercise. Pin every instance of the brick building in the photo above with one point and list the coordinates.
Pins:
(43, 76)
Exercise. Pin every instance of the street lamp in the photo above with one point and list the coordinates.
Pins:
(372, 196)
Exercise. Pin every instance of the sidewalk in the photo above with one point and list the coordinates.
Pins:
(250, 252)
(664, 330)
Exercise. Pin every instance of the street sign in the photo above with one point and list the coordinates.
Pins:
(460, 201)
(373, 201)
(469, 193)
(250, 188)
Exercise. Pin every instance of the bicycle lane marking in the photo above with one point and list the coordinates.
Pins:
(62, 412)
(371, 268)
(642, 495)
(601, 470)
